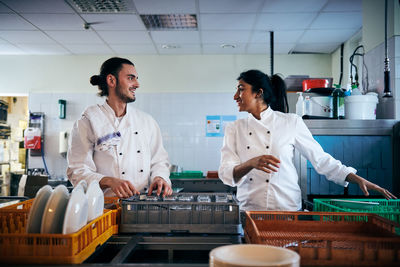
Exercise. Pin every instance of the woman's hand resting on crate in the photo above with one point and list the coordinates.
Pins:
(366, 185)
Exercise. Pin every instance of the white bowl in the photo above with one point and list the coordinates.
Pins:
(253, 255)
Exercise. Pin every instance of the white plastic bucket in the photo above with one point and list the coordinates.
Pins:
(361, 107)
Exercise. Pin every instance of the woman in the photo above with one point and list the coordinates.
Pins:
(257, 154)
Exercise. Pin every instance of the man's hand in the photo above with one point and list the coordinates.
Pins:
(160, 184)
(121, 188)
(366, 185)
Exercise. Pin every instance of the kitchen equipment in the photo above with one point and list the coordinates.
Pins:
(175, 168)
(17, 247)
(386, 208)
(361, 107)
(253, 255)
(187, 214)
(315, 83)
(320, 106)
(327, 238)
(160, 250)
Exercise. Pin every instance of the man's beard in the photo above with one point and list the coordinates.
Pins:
(123, 97)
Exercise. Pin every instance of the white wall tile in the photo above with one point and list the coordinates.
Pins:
(181, 117)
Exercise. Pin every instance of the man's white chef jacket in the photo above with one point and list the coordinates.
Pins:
(274, 134)
(129, 148)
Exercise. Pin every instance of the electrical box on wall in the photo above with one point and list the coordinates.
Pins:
(63, 108)
(36, 121)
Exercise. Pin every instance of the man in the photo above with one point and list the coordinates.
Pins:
(116, 144)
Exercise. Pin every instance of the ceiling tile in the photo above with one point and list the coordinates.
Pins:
(8, 49)
(4, 9)
(279, 36)
(133, 49)
(182, 49)
(37, 37)
(165, 7)
(344, 20)
(343, 5)
(327, 36)
(91, 49)
(125, 37)
(227, 21)
(75, 37)
(217, 49)
(316, 48)
(14, 22)
(56, 21)
(293, 6)
(265, 49)
(230, 6)
(182, 37)
(39, 6)
(232, 37)
(44, 49)
(284, 21)
(113, 22)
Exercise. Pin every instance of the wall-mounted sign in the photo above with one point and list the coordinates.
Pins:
(215, 124)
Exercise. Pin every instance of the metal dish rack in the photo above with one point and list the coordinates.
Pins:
(206, 213)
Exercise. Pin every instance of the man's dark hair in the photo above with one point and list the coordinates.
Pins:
(110, 66)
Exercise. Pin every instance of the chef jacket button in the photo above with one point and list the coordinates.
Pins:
(141, 170)
(138, 151)
(248, 147)
(249, 133)
(268, 132)
(136, 132)
(120, 154)
(123, 172)
(267, 181)
(267, 147)
(251, 179)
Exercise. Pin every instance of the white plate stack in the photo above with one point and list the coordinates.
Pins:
(58, 212)
(251, 255)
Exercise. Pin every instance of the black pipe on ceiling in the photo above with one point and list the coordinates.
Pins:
(386, 91)
(271, 44)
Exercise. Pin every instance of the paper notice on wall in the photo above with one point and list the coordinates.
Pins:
(215, 124)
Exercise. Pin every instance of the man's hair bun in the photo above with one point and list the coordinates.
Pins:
(95, 80)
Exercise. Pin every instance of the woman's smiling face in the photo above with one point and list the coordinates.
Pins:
(245, 97)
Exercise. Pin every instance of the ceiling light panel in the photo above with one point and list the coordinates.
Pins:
(102, 6)
(170, 21)
(165, 7)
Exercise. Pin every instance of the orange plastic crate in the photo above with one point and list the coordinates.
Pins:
(328, 238)
(18, 247)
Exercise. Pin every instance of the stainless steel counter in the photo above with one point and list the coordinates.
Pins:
(351, 127)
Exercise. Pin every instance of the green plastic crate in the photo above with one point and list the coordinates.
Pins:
(389, 209)
(186, 175)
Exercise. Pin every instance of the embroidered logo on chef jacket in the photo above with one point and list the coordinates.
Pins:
(104, 143)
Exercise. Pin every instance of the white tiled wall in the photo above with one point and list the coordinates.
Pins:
(181, 117)
(387, 108)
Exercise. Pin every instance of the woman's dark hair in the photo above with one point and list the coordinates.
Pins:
(274, 88)
(110, 66)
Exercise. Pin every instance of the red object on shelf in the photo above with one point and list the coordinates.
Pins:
(315, 83)
(212, 174)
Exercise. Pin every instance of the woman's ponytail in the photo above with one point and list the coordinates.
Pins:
(280, 102)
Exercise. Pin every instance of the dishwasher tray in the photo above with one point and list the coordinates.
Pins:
(389, 209)
(18, 247)
(328, 238)
(206, 213)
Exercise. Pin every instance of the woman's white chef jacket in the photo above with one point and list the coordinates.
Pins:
(129, 148)
(275, 134)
